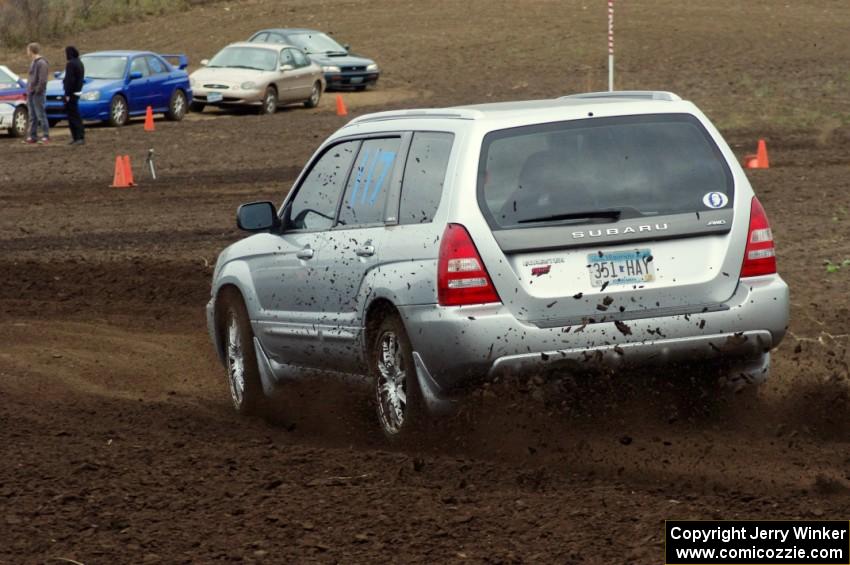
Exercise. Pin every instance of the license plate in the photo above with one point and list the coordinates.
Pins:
(621, 267)
(356, 80)
(214, 97)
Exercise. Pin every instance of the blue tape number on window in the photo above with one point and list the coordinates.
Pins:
(369, 176)
(360, 168)
(388, 157)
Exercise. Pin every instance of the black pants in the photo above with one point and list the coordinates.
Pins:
(75, 123)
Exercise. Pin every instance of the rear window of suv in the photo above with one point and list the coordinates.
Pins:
(627, 166)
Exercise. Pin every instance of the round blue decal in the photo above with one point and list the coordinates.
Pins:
(715, 200)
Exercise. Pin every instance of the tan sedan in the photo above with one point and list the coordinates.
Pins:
(263, 75)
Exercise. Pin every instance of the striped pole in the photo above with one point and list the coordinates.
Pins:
(610, 45)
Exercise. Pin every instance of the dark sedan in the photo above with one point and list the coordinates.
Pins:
(342, 69)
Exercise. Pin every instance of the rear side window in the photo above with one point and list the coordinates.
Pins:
(639, 166)
(300, 58)
(155, 65)
(260, 38)
(424, 176)
(366, 193)
(314, 205)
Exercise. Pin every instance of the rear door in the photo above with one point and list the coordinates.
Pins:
(159, 77)
(139, 90)
(609, 218)
(303, 74)
(286, 80)
(354, 245)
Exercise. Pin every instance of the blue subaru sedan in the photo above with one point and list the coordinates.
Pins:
(122, 84)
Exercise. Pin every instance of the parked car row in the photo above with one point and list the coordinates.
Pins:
(274, 68)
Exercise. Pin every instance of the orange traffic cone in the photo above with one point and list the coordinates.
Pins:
(759, 160)
(123, 177)
(340, 106)
(118, 179)
(128, 171)
(149, 119)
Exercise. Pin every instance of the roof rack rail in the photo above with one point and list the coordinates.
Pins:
(636, 94)
(436, 113)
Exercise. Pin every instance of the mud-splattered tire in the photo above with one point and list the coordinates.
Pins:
(240, 358)
(398, 399)
(708, 389)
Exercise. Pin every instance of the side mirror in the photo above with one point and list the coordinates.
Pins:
(135, 75)
(346, 46)
(57, 74)
(205, 62)
(284, 68)
(257, 216)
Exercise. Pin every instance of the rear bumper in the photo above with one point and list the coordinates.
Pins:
(462, 344)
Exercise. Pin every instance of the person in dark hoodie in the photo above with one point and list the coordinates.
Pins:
(73, 84)
(36, 99)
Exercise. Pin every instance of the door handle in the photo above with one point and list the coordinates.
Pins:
(306, 253)
(365, 251)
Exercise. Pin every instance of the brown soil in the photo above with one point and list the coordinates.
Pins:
(118, 441)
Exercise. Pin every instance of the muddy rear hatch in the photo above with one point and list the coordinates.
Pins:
(609, 218)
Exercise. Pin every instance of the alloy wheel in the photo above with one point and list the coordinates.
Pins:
(20, 122)
(235, 363)
(270, 102)
(178, 106)
(391, 387)
(119, 109)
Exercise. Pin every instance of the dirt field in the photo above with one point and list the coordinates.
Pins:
(118, 441)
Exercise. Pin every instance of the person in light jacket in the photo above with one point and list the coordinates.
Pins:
(73, 84)
(36, 100)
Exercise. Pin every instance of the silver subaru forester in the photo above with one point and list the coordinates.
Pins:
(432, 249)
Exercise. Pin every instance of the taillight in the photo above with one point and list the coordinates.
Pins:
(461, 276)
(760, 254)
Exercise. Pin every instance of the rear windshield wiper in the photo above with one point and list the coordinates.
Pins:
(590, 215)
